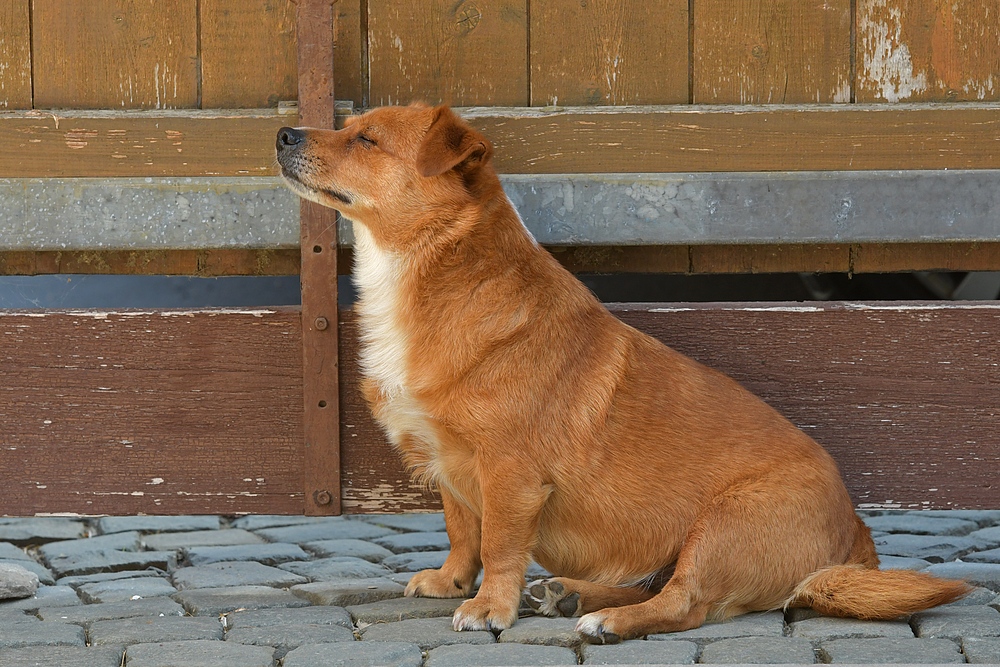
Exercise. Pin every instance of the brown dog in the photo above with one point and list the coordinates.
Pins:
(659, 491)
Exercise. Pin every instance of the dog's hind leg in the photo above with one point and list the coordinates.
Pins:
(573, 597)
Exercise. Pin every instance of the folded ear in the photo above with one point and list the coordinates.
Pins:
(451, 142)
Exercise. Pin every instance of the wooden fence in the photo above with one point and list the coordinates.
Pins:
(251, 411)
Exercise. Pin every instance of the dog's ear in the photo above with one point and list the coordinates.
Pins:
(450, 142)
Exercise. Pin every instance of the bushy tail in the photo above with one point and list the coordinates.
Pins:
(854, 591)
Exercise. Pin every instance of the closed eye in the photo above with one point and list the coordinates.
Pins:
(366, 140)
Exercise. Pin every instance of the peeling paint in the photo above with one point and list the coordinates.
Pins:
(886, 64)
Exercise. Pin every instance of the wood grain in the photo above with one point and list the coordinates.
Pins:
(160, 413)
(609, 52)
(139, 143)
(464, 53)
(202, 263)
(347, 53)
(232, 29)
(318, 252)
(924, 50)
(15, 54)
(772, 51)
(115, 54)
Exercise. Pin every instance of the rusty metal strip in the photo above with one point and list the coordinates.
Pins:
(321, 392)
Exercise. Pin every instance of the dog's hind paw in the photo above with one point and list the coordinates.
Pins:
(550, 597)
(593, 628)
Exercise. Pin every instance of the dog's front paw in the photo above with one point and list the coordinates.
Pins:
(598, 628)
(484, 613)
(436, 584)
(550, 597)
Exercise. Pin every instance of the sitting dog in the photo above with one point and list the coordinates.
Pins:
(660, 492)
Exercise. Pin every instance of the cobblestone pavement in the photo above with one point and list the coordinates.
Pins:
(272, 591)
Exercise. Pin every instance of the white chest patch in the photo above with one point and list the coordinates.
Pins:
(384, 344)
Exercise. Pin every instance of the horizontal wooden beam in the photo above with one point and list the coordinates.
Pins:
(530, 140)
(171, 412)
(686, 259)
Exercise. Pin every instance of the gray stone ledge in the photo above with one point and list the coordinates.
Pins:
(561, 209)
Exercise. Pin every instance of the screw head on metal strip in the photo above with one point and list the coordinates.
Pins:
(322, 497)
(322, 323)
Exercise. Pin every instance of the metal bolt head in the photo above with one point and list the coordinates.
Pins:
(322, 323)
(322, 497)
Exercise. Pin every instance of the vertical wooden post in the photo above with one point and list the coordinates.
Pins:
(315, 31)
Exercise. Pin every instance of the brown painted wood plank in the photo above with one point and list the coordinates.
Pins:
(884, 257)
(760, 138)
(111, 54)
(348, 62)
(772, 51)
(233, 29)
(321, 390)
(121, 144)
(202, 263)
(927, 51)
(904, 396)
(617, 52)
(15, 54)
(460, 53)
(157, 412)
(771, 258)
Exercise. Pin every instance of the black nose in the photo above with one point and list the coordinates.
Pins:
(288, 137)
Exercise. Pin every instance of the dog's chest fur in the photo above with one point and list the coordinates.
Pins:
(384, 352)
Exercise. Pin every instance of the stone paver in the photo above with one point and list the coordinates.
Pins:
(61, 656)
(544, 631)
(87, 614)
(42, 633)
(981, 517)
(240, 573)
(759, 651)
(45, 596)
(358, 654)
(933, 548)
(415, 523)
(499, 655)
(157, 524)
(214, 601)
(120, 590)
(347, 592)
(330, 530)
(409, 542)
(199, 653)
(354, 548)
(890, 651)
(920, 524)
(826, 628)
(981, 651)
(769, 624)
(9, 551)
(200, 538)
(45, 576)
(258, 521)
(268, 554)
(127, 541)
(986, 575)
(637, 652)
(304, 615)
(957, 622)
(128, 631)
(90, 562)
(81, 579)
(990, 556)
(16, 581)
(336, 567)
(24, 532)
(902, 563)
(284, 638)
(416, 561)
(990, 537)
(427, 633)
(400, 609)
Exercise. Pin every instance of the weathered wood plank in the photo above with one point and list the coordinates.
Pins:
(351, 69)
(579, 140)
(902, 395)
(202, 263)
(460, 53)
(609, 52)
(159, 412)
(15, 55)
(231, 29)
(772, 51)
(927, 51)
(215, 143)
(110, 54)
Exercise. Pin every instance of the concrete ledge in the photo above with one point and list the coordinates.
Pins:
(579, 210)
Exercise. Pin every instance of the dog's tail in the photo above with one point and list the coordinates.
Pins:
(854, 591)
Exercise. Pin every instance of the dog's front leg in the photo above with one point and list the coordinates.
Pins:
(512, 506)
(458, 574)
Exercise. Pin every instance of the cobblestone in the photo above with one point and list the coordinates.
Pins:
(280, 585)
(16, 581)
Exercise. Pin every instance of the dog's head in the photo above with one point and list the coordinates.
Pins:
(389, 167)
